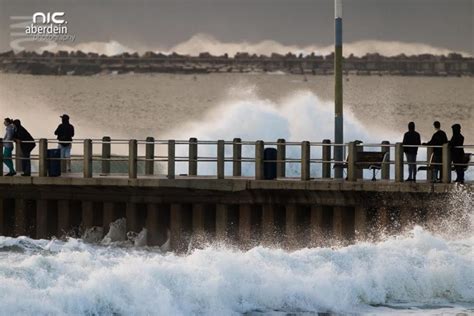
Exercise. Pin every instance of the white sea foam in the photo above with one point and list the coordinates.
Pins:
(412, 271)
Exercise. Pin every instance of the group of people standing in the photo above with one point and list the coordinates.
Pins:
(15, 132)
(439, 138)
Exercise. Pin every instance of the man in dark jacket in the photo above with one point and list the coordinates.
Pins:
(457, 154)
(26, 144)
(439, 138)
(65, 133)
(411, 138)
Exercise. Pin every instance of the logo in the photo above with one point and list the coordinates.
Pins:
(49, 26)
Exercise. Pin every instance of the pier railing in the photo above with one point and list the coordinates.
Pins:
(315, 159)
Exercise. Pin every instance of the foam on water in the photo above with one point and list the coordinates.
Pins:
(417, 269)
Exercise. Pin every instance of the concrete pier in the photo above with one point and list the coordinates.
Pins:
(191, 209)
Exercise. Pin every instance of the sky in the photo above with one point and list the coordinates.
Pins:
(215, 25)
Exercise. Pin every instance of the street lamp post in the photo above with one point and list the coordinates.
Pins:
(338, 106)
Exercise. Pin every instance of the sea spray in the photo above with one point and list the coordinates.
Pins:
(408, 271)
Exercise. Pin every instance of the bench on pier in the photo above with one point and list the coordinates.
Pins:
(431, 164)
(372, 160)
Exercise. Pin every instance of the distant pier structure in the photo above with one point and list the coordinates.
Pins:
(251, 192)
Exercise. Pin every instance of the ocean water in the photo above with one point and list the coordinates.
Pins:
(421, 271)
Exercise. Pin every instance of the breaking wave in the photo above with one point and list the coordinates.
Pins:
(207, 43)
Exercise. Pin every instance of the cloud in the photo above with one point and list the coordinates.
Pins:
(207, 43)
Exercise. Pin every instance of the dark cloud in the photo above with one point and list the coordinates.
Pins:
(165, 23)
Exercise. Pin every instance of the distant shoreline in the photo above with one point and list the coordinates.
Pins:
(86, 64)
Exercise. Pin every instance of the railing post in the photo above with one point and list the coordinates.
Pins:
(351, 162)
(87, 158)
(305, 163)
(281, 157)
(43, 155)
(326, 156)
(106, 154)
(193, 156)
(429, 172)
(1, 158)
(132, 158)
(18, 156)
(149, 156)
(398, 162)
(237, 157)
(386, 165)
(220, 159)
(171, 158)
(259, 148)
(446, 175)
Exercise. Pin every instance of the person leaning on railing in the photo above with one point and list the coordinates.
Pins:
(457, 152)
(439, 138)
(411, 138)
(8, 146)
(65, 133)
(27, 144)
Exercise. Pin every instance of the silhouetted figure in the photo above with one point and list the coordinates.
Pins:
(8, 146)
(65, 133)
(457, 154)
(26, 144)
(439, 138)
(411, 138)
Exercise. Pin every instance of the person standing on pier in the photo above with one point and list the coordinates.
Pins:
(27, 144)
(8, 146)
(457, 153)
(411, 138)
(439, 138)
(65, 133)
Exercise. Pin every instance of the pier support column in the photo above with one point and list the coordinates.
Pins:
(20, 218)
(268, 223)
(108, 216)
(383, 220)
(180, 225)
(64, 217)
(406, 218)
(87, 214)
(199, 221)
(222, 221)
(2, 216)
(291, 226)
(343, 223)
(245, 225)
(317, 225)
(156, 224)
(131, 215)
(42, 219)
(360, 223)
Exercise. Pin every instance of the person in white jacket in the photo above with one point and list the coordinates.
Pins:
(8, 146)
